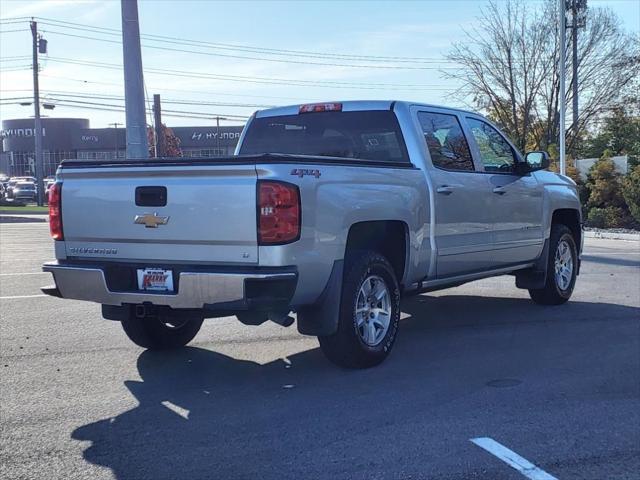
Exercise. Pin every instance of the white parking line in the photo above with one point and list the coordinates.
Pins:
(511, 458)
(15, 297)
(181, 412)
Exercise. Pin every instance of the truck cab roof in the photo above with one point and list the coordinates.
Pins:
(351, 106)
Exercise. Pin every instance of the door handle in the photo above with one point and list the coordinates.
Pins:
(499, 190)
(445, 190)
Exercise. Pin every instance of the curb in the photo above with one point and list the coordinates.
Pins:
(613, 236)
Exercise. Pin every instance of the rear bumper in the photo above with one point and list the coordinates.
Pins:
(198, 289)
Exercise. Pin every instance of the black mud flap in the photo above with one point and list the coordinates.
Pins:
(535, 277)
(321, 318)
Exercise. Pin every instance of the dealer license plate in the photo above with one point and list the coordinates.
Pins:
(155, 279)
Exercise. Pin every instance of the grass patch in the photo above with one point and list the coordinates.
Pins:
(25, 209)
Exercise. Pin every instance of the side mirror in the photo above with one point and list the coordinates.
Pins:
(534, 161)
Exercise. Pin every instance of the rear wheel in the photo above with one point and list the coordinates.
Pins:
(369, 313)
(161, 333)
(561, 268)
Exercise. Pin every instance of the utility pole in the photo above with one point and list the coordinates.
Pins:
(218, 118)
(37, 121)
(115, 126)
(161, 151)
(578, 7)
(218, 135)
(137, 144)
(562, 19)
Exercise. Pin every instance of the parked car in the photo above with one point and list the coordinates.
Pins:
(9, 188)
(333, 211)
(14, 180)
(47, 185)
(25, 179)
(24, 191)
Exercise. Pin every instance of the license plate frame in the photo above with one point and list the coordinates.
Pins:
(154, 279)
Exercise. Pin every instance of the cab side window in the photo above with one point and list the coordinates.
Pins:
(446, 142)
(496, 153)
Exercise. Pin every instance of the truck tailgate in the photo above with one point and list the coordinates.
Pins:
(209, 215)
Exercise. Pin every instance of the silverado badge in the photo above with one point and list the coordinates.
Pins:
(151, 220)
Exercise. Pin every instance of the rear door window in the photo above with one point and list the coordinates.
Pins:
(446, 142)
(367, 135)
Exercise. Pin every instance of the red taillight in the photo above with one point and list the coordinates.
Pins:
(55, 211)
(278, 212)
(320, 107)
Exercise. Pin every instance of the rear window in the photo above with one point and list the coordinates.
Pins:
(367, 135)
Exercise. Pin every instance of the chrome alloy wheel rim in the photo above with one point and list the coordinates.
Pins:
(373, 310)
(563, 265)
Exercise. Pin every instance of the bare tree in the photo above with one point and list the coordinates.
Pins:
(509, 68)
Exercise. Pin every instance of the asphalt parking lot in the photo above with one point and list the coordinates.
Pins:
(560, 386)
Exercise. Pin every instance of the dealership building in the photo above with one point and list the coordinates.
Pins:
(72, 138)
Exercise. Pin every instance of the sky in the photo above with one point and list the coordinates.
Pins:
(221, 57)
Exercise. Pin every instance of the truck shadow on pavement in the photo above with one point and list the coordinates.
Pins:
(202, 414)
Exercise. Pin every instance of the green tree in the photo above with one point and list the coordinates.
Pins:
(620, 132)
(606, 206)
(631, 192)
(604, 184)
(509, 68)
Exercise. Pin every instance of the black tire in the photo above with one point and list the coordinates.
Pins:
(346, 347)
(156, 333)
(553, 293)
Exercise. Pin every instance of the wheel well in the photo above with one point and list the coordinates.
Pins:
(388, 237)
(571, 219)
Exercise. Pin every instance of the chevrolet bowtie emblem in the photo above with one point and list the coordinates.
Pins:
(150, 220)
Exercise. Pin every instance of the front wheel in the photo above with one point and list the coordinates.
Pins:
(562, 268)
(369, 313)
(160, 333)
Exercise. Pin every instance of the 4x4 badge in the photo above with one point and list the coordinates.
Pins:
(301, 172)
(150, 220)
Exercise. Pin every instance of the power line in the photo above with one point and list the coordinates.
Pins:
(102, 96)
(259, 50)
(15, 57)
(167, 89)
(14, 22)
(259, 80)
(208, 92)
(66, 102)
(243, 48)
(16, 68)
(121, 109)
(244, 57)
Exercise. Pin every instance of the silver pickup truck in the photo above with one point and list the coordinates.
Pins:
(332, 211)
